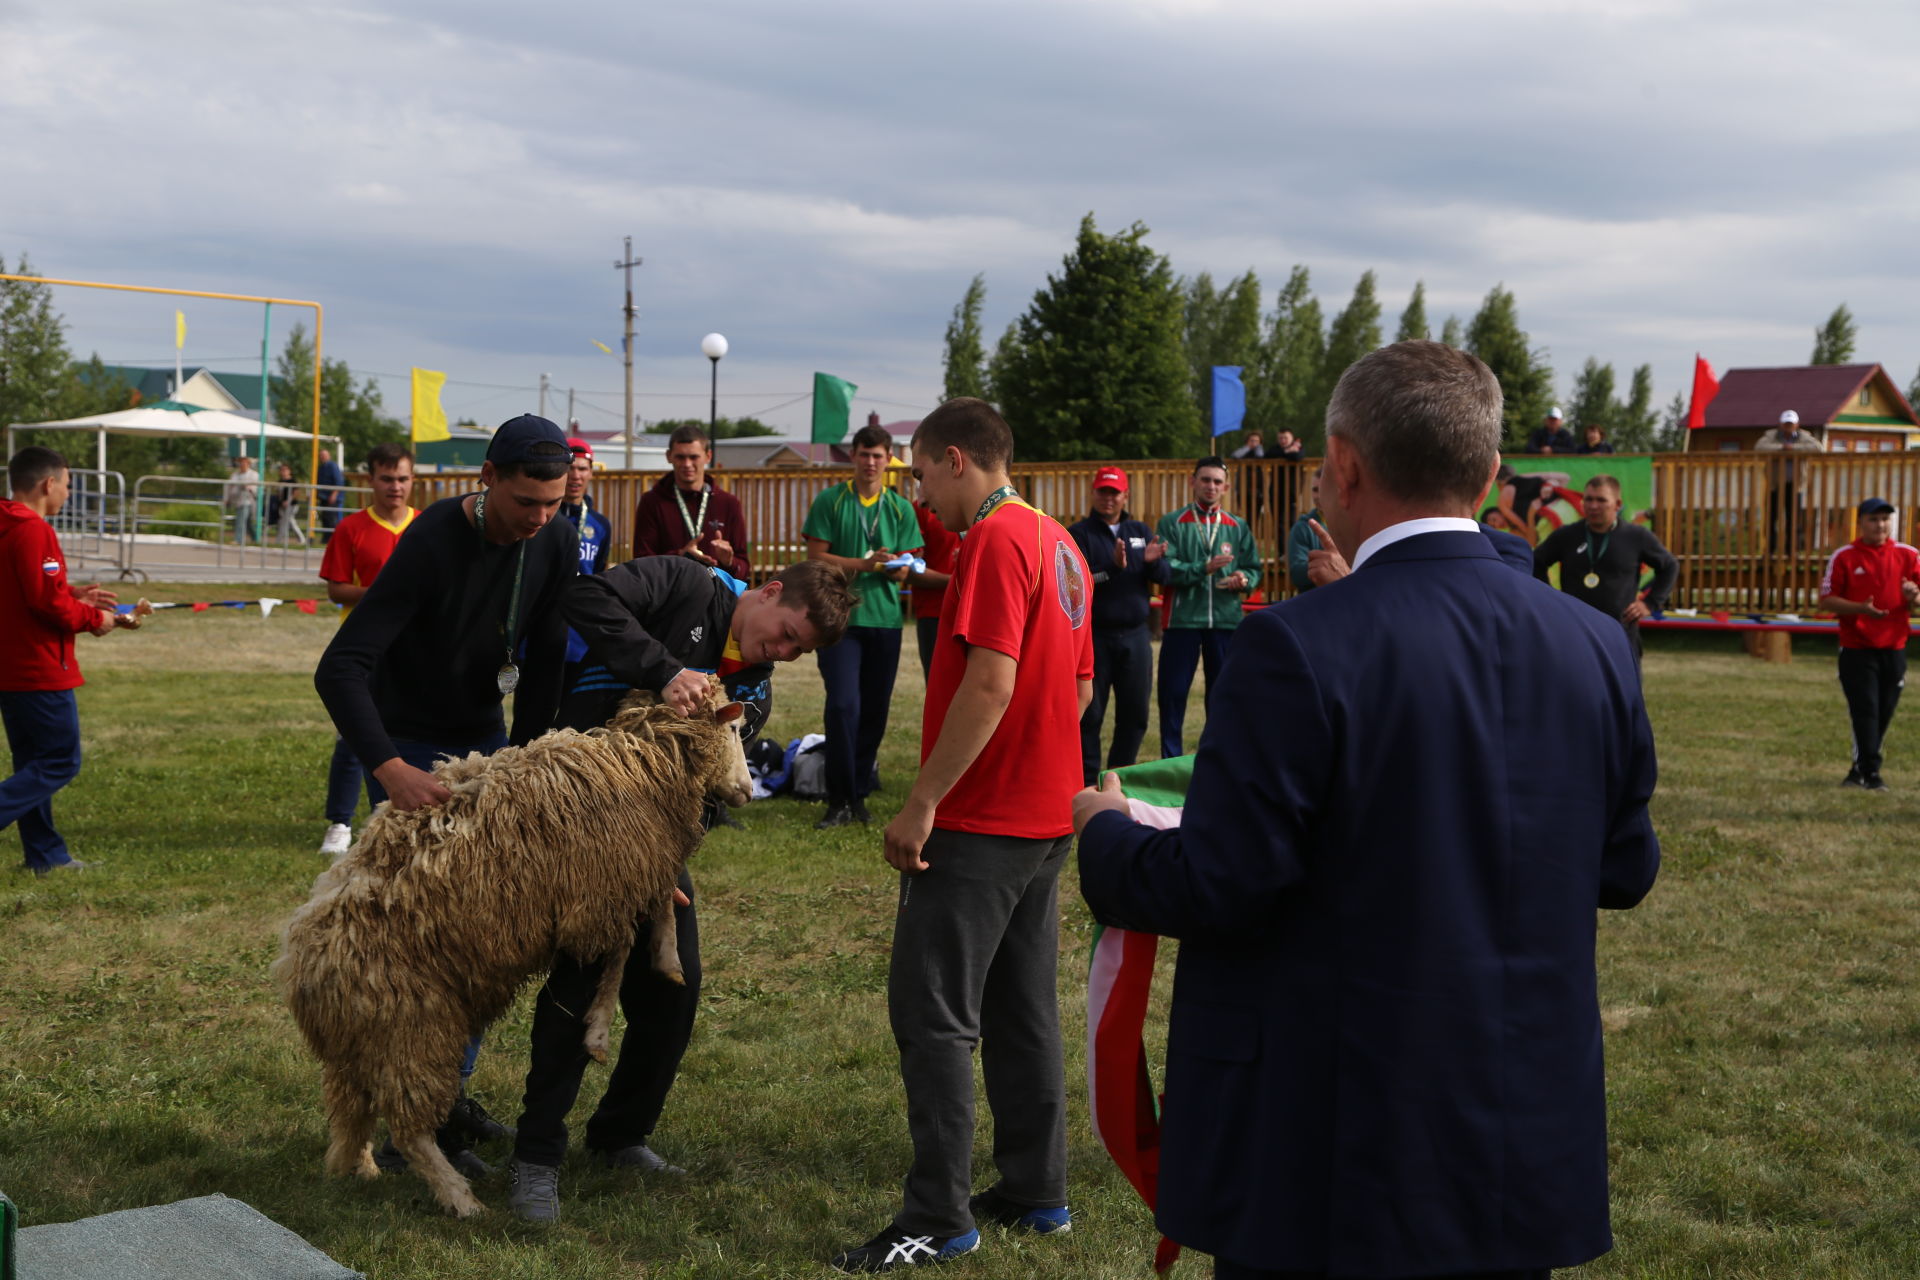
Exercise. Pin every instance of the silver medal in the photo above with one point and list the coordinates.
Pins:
(508, 679)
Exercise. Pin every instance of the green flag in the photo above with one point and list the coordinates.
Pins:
(832, 408)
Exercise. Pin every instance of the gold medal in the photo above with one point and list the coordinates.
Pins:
(508, 679)
(1591, 581)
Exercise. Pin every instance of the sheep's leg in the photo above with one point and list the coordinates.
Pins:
(425, 1158)
(599, 1035)
(350, 1127)
(666, 942)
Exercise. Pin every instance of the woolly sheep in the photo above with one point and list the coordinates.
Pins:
(435, 920)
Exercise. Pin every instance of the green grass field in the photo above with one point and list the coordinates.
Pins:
(1761, 1005)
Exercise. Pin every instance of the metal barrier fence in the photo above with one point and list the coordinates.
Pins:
(92, 525)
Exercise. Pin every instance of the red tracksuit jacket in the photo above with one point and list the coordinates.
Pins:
(38, 613)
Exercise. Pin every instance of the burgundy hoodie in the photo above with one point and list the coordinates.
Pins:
(38, 613)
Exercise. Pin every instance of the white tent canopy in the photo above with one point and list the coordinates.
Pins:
(167, 418)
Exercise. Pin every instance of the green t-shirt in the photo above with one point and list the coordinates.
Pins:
(851, 528)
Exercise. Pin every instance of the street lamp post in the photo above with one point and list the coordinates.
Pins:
(713, 346)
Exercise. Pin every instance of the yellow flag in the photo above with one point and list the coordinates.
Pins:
(429, 419)
(603, 346)
(179, 330)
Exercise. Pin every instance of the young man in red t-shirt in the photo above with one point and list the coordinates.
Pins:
(979, 844)
(1872, 583)
(358, 548)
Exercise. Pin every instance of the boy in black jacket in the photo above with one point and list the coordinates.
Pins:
(661, 623)
(1124, 557)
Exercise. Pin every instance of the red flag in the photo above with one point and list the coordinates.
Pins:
(201, 606)
(305, 606)
(1705, 388)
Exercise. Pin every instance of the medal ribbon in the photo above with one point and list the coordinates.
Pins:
(994, 499)
(519, 566)
(694, 523)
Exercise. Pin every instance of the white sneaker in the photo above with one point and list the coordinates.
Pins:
(339, 839)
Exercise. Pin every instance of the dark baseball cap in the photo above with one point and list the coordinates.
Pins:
(1875, 507)
(518, 439)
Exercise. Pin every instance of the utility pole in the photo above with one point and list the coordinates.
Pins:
(569, 408)
(543, 394)
(628, 263)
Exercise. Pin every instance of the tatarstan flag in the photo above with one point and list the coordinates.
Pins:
(1125, 1108)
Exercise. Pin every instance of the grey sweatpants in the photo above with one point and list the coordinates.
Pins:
(975, 949)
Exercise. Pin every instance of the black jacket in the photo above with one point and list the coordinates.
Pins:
(645, 622)
(1121, 597)
(420, 655)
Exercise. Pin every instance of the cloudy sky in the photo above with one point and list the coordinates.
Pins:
(819, 181)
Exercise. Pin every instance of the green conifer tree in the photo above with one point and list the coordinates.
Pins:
(965, 362)
(1833, 341)
(1413, 321)
(1526, 379)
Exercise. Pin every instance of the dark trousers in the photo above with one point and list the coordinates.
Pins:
(975, 954)
(422, 755)
(1122, 664)
(43, 732)
(1872, 680)
(1225, 1270)
(659, 1025)
(344, 776)
(926, 631)
(858, 673)
(1181, 650)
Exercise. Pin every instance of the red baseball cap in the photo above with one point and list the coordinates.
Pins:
(1110, 478)
(579, 446)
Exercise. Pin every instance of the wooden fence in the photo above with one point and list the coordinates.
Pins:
(1752, 531)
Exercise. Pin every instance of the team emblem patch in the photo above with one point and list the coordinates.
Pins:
(1069, 584)
(50, 566)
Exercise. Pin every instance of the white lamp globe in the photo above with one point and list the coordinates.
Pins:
(713, 346)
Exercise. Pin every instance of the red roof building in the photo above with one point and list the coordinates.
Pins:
(1851, 408)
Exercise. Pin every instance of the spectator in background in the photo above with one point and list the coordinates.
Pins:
(858, 526)
(1783, 502)
(1551, 436)
(39, 617)
(327, 496)
(1125, 559)
(242, 492)
(1211, 564)
(286, 507)
(929, 589)
(596, 537)
(686, 514)
(355, 554)
(1302, 541)
(1596, 439)
(1600, 560)
(1872, 583)
(1252, 447)
(1287, 447)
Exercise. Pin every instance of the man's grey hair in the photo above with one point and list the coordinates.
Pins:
(1426, 418)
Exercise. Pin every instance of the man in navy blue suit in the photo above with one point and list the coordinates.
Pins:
(1384, 1054)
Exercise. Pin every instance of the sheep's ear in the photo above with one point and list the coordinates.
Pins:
(729, 713)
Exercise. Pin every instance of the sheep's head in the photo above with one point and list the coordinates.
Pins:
(714, 732)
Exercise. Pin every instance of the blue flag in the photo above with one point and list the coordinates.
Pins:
(1229, 399)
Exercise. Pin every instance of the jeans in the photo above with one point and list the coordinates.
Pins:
(858, 673)
(344, 776)
(1181, 649)
(43, 732)
(1122, 664)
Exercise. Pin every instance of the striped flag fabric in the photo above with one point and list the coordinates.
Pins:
(1124, 1106)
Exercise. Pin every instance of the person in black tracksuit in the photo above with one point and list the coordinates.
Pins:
(1125, 558)
(659, 623)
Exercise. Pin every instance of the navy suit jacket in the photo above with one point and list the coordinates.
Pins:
(1384, 1051)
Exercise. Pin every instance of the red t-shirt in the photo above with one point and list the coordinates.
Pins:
(1020, 588)
(1861, 572)
(359, 546)
(941, 545)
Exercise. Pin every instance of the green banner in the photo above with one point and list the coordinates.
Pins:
(1544, 491)
(832, 408)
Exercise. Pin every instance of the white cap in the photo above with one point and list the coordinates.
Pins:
(1789, 416)
(1555, 412)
